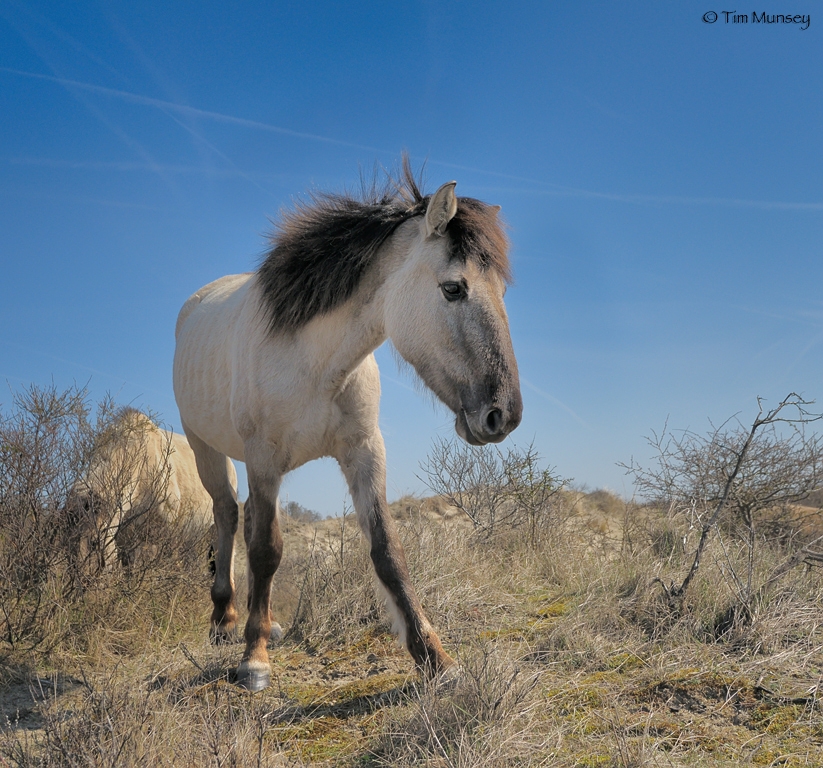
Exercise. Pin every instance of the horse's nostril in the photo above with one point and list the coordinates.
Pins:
(494, 421)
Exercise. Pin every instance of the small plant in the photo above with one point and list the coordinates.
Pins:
(494, 490)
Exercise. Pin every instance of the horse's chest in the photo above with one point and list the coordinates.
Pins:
(302, 432)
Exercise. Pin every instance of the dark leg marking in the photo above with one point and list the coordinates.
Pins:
(265, 550)
(390, 565)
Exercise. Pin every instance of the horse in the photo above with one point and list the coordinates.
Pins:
(276, 368)
(139, 476)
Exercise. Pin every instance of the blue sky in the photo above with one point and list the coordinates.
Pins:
(661, 177)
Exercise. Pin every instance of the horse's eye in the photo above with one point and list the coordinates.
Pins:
(453, 291)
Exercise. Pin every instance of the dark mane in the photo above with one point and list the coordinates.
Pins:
(321, 249)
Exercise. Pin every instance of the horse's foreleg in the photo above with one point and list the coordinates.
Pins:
(264, 544)
(276, 634)
(365, 470)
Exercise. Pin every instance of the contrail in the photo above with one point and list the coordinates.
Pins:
(556, 189)
(555, 401)
(186, 110)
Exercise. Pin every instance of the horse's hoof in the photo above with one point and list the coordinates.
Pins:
(276, 634)
(253, 675)
(447, 679)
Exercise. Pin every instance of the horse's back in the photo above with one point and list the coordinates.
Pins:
(167, 467)
(144, 476)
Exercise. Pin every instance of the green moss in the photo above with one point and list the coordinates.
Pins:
(324, 738)
(599, 678)
(624, 661)
(370, 686)
(572, 700)
(592, 760)
(776, 720)
(782, 756)
(554, 609)
(528, 631)
(317, 695)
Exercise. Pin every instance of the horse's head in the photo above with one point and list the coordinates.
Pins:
(445, 313)
(87, 521)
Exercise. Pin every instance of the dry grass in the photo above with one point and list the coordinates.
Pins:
(568, 659)
(570, 654)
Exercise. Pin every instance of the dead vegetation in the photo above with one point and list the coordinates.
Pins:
(571, 652)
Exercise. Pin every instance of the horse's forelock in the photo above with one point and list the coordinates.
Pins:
(478, 236)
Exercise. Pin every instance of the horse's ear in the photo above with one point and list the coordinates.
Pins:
(441, 210)
(497, 208)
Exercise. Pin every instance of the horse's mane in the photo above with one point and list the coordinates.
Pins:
(322, 248)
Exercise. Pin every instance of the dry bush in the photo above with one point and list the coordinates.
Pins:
(115, 723)
(45, 444)
(490, 717)
(337, 599)
(300, 513)
(496, 491)
(726, 496)
(56, 588)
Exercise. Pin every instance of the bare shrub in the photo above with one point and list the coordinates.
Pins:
(58, 526)
(45, 444)
(338, 596)
(114, 723)
(495, 491)
(300, 513)
(486, 719)
(731, 486)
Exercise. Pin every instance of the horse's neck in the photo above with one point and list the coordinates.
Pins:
(340, 340)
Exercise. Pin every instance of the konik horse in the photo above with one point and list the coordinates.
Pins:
(140, 476)
(275, 368)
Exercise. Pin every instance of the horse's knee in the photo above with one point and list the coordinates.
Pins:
(226, 515)
(222, 593)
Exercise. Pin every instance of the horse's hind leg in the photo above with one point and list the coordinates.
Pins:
(212, 467)
(364, 466)
(264, 545)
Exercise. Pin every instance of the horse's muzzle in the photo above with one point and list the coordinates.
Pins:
(490, 424)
